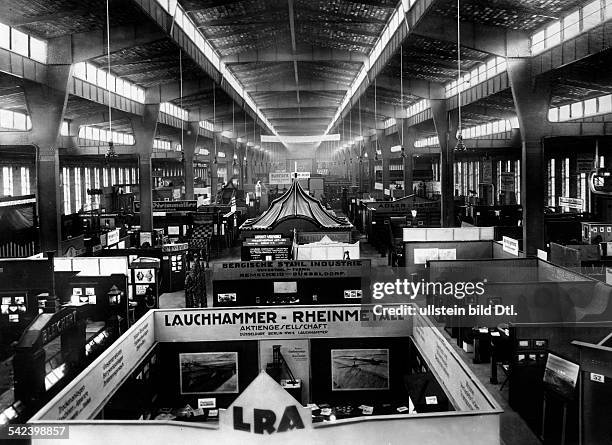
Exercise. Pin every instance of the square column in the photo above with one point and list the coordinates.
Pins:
(448, 140)
(189, 150)
(144, 132)
(531, 98)
(47, 107)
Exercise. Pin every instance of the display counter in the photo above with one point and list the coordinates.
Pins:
(400, 360)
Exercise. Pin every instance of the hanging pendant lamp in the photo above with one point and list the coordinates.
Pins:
(460, 146)
(110, 152)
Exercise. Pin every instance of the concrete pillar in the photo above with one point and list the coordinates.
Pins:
(574, 178)
(47, 107)
(213, 171)
(248, 166)
(144, 132)
(370, 171)
(189, 150)
(410, 137)
(447, 160)
(531, 99)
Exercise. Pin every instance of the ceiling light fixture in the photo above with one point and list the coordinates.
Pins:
(110, 153)
(375, 123)
(460, 146)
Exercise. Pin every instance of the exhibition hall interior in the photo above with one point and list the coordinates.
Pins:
(306, 222)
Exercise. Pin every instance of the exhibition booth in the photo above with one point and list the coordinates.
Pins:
(215, 227)
(295, 210)
(415, 211)
(298, 282)
(21, 282)
(460, 243)
(331, 373)
(555, 309)
(171, 270)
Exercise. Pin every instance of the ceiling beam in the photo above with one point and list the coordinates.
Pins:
(494, 40)
(304, 53)
(287, 102)
(285, 85)
(209, 4)
(294, 113)
(172, 91)
(415, 87)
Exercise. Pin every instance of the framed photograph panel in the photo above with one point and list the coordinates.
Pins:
(360, 369)
(208, 373)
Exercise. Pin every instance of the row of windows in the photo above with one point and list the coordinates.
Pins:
(417, 108)
(23, 44)
(12, 120)
(99, 134)
(161, 144)
(389, 122)
(484, 71)
(77, 180)
(467, 176)
(174, 111)
(487, 129)
(556, 167)
(207, 126)
(12, 174)
(583, 108)
(96, 76)
(490, 128)
(580, 20)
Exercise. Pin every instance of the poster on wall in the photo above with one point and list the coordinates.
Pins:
(208, 372)
(359, 369)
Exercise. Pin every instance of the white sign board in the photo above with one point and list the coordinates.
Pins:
(542, 254)
(572, 203)
(112, 237)
(275, 323)
(280, 178)
(510, 245)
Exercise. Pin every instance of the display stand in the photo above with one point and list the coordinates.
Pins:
(560, 380)
(563, 421)
(145, 284)
(175, 262)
